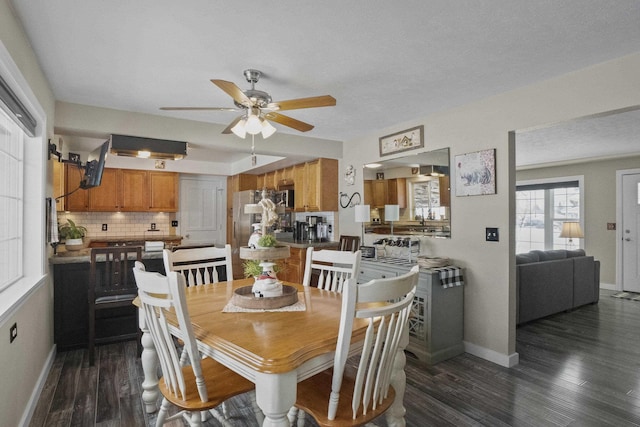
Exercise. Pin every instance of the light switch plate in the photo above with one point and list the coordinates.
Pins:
(492, 234)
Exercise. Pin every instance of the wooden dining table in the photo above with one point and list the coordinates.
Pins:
(273, 349)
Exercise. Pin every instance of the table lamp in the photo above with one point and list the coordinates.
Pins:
(362, 215)
(571, 229)
(391, 213)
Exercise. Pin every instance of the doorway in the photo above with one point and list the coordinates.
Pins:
(628, 233)
(202, 210)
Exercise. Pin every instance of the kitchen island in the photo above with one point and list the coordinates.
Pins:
(70, 300)
(293, 267)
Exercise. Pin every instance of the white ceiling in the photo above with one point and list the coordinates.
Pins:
(385, 62)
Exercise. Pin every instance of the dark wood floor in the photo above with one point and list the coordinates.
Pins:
(576, 369)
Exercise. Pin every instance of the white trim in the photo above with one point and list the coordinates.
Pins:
(30, 408)
(35, 165)
(580, 179)
(619, 175)
(608, 286)
(506, 360)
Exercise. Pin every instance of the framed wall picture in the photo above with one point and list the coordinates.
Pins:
(409, 139)
(475, 173)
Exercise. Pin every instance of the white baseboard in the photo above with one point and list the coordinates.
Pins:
(506, 360)
(608, 286)
(35, 394)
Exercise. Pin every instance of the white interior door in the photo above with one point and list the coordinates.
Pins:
(630, 232)
(202, 210)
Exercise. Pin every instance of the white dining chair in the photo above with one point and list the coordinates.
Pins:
(333, 268)
(194, 387)
(353, 397)
(199, 265)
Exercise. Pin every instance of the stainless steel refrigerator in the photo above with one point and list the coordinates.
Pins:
(242, 228)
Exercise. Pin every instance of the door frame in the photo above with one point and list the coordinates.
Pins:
(619, 175)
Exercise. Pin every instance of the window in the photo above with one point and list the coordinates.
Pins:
(11, 173)
(23, 170)
(541, 208)
(426, 199)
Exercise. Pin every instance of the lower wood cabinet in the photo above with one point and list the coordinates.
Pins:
(436, 327)
(70, 307)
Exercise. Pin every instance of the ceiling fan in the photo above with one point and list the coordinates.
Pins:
(257, 107)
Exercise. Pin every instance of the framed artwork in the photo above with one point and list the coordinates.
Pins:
(475, 173)
(409, 139)
(379, 175)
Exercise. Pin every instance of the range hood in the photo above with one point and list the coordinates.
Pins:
(150, 148)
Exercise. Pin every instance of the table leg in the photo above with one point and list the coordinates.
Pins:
(276, 394)
(149, 360)
(395, 414)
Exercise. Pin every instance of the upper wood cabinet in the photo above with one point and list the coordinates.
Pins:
(316, 186)
(380, 192)
(445, 191)
(163, 191)
(131, 198)
(76, 199)
(126, 190)
(397, 192)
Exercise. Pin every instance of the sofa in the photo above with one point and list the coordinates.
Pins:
(549, 282)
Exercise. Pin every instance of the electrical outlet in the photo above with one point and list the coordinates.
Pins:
(492, 234)
(174, 223)
(153, 225)
(13, 333)
(104, 227)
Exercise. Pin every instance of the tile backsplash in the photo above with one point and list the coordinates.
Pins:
(121, 224)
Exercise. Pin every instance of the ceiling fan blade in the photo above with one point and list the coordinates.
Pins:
(198, 109)
(233, 91)
(232, 124)
(288, 121)
(311, 102)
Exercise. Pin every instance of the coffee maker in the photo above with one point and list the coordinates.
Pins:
(301, 231)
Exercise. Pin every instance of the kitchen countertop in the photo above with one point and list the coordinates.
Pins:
(304, 244)
(84, 255)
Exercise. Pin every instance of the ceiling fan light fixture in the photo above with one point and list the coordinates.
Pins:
(253, 125)
(239, 129)
(267, 129)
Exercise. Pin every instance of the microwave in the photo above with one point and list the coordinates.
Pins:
(285, 198)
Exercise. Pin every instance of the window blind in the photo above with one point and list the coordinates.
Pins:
(16, 109)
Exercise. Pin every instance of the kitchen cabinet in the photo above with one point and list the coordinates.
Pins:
(105, 197)
(380, 192)
(70, 307)
(292, 268)
(126, 190)
(397, 192)
(436, 327)
(316, 186)
(163, 191)
(284, 178)
(445, 191)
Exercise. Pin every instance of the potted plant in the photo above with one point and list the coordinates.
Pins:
(252, 268)
(72, 235)
(267, 241)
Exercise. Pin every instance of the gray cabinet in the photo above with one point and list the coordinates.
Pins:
(436, 325)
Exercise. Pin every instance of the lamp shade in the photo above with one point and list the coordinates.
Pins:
(362, 213)
(571, 229)
(391, 212)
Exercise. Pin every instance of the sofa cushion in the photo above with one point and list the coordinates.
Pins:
(527, 258)
(551, 255)
(544, 288)
(575, 253)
